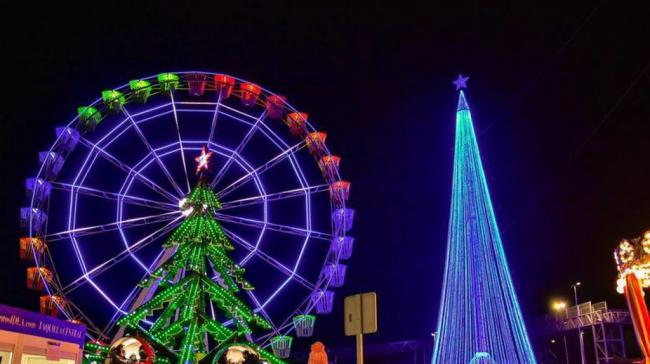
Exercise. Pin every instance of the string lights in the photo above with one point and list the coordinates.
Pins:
(479, 318)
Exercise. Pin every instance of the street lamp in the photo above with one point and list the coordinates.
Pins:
(580, 333)
(560, 306)
(575, 291)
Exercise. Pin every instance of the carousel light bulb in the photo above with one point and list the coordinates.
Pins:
(625, 251)
(620, 285)
(645, 243)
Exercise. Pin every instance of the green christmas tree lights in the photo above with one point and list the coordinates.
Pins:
(200, 272)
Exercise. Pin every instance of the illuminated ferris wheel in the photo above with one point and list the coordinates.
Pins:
(113, 184)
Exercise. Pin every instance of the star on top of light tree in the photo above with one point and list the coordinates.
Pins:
(203, 160)
(461, 82)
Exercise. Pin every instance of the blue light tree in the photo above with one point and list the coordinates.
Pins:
(479, 320)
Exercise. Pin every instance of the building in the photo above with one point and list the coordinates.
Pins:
(31, 338)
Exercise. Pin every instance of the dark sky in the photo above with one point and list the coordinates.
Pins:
(560, 96)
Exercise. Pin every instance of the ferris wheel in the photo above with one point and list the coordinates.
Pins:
(112, 187)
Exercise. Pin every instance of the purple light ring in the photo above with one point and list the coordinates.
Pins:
(288, 105)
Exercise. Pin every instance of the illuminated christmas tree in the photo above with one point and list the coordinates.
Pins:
(479, 320)
(198, 274)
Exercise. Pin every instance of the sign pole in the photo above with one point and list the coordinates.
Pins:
(360, 318)
(359, 348)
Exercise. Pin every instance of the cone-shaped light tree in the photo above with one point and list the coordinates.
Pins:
(479, 320)
(200, 273)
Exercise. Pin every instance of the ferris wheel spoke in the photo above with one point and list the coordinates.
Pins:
(261, 169)
(238, 150)
(229, 109)
(116, 162)
(132, 297)
(282, 145)
(78, 314)
(48, 261)
(213, 125)
(133, 200)
(270, 260)
(180, 141)
(124, 224)
(283, 329)
(293, 230)
(153, 152)
(304, 306)
(106, 265)
(274, 196)
(261, 310)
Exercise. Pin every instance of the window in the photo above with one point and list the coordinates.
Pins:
(41, 359)
(5, 357)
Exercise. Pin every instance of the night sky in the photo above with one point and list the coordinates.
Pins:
(560, 96)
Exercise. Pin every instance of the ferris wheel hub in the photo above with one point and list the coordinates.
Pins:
(186, 208)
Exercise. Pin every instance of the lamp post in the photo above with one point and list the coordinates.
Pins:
(580, 333)
(559, 307)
